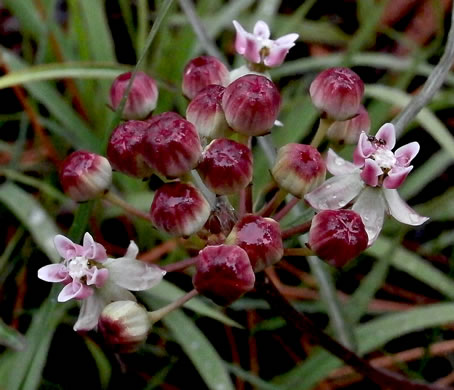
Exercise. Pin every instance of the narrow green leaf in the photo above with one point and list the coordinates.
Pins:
(102, 362)
(28, 16)
(11, 338)
(251, 378)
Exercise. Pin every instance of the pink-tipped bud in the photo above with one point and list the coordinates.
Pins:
(201, 72)
(226, 166)
(171, 146)
(337, 93)
(347, 132)
(179, 209)
(299, 169)
(124, 325)
(142, 97)
(124, 150)
(223, 273)
(260, 238)
(337, 236)
(85, 175)
(251, 105)
(206, 114)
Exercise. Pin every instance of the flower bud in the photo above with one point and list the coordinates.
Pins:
(179, 209)
(223, 273)
(226, 166)
(142, 97)
(124, 150)
(337, 236)
(85, 175)
(124, 325)
(337, 93)
(206, 114)
(171, 145)
(251, 105)
(260, 238)
(201, 72)
(298, 169)
(347, 132)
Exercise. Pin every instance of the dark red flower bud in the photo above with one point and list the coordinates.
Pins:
(124, 150)
(251, 105)
(179, 209)
(85, 175)
(299, 169)
(260, 238)
(206, 114)
(201, 72)
(337, 92)
(142, 97)
(223, 273)
(347, 132)
(337, 236)
(171, 146)
(226, 166)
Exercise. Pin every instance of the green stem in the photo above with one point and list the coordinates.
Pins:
(323, 127)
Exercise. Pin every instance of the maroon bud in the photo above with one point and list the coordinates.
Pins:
(299, 169)
(206, 114)
(124, 325)
(337, 236)
(171, 146)
(251, 105)
(223, 273)
(347, 132)
(85, 175)
(201, 72)
(124, 150)
(337, 93)
(226, 166)
(260, 238)
(142, 97)
(179, 209)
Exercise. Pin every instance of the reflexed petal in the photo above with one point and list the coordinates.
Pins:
(66, 248)
(370, 172)
(336, 165)
(276, 56)
(261, 30)
(396, 177)
(111, 292)
(387, 133)
(134, 275)
(89, 313)
(132, 251)
(371, 206)
(406, 153)
(74, 290)
(287, 41)
(93, 250)
(363, 150)
(336, 192)
(400, 210)
(241, 38)
(53, 273)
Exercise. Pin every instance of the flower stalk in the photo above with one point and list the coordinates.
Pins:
(157, 315)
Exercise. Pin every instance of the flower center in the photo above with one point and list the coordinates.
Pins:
(384, 158)
(78, 267)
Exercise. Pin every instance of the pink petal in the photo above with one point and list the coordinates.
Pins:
(406, 153)
(287, 41)
(241, 38)
(98, 277)
(66, 248)
(53, 273)
(364, 149)
(261, 30)
(89, 313)
(400, 210)
(276, 56)
(336, 165)
(336, 192)
(74, 290)
(252, 51)
(371, 172)
(92, 249)
(396, 177)
(371, 206)
(387, 133)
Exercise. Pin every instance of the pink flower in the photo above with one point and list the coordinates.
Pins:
(371, 182)
(258, 48)
(89, 276)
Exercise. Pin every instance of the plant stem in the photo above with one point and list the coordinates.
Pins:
(273, 204)
(296, 230)
(245, 201)
(321, 132)
(117, 201)
(156, 315)
(299, 322)
(180, 265)
(286, 209)
(303, 251)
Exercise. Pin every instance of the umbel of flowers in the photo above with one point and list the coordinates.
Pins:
(206, 165)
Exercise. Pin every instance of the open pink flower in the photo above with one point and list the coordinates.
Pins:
(257, 47)
(370, 182)
(89, 276)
